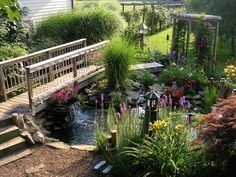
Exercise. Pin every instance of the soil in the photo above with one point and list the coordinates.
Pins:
(50, 162)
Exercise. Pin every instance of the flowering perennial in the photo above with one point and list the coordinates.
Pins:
(64, 95)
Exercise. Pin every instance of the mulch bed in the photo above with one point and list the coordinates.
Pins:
(55, 162)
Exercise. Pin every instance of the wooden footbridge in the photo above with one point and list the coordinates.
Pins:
(40, 74)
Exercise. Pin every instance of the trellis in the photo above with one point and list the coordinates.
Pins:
(189, 18)
(152, 5)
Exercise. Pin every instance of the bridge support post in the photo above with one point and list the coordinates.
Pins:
(30, 89)
(2, 85)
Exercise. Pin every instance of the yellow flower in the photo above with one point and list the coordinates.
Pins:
(179, 126)
(157, 125)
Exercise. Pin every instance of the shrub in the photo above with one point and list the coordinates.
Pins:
(156, 56)
(182, 74)
(8, 51)
(95, 24)
(119, 56)
(218, 135)
(44, 43)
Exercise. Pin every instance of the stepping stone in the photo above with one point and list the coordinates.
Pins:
(99, 165)
(107, 170)
(84, 147)
(59, 145)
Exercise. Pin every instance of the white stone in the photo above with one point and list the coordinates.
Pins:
(38, 137)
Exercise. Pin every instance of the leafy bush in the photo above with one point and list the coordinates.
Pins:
(94, 24)
(8, 51)
(210, 97)
(119, 56)
(156, 56)
(44, 43)
(148, 79)
(218, 135)
(182, 74)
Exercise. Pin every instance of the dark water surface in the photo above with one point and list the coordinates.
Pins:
(82, 127)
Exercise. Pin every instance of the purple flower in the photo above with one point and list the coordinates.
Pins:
(121, 109)
(118, 115)
(189, 118)
(188, 105)
(182, 101)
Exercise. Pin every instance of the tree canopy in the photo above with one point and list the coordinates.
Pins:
(10, 9)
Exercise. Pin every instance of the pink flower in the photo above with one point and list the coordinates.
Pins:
(121, 109)
(118, 115)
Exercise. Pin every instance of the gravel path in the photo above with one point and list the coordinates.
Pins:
(50, 162)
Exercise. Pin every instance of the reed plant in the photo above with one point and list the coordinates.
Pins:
(119, 56)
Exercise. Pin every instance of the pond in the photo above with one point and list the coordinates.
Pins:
(81, 130)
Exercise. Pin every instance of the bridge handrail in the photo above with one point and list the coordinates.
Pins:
(12, 72)
(64, 57)
(35, 54)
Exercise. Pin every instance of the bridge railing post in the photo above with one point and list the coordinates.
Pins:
(74, 67)
(30, 88)
(2, 85)
(51, 75)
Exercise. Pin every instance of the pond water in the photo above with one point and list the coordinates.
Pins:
(81, 130)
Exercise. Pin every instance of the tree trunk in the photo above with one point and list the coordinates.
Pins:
(233, 46)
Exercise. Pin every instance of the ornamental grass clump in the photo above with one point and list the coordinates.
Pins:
(119, 56)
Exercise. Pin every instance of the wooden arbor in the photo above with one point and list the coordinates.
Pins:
(189, 18)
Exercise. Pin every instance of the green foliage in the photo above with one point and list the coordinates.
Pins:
(44, 43)
(148, 79)
(158, 57)
(10, 9)
(180, 39)
(210, 97)
(8, 51)
(119, 56)
(166, 151)
(94, 24)
(181, 74)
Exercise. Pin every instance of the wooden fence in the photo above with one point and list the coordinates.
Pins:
(12, 72)
(46, 77)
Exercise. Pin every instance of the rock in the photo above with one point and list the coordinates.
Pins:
(27, 136)
(92, 100)
(198, 103)
(133, 95)
(59, 145)
(34, 169)
(50, 139)
(197, 97)
(38, 137)
(115, 94)
(139, 76)
(87, 91)
(90, 95)
(84, 147)
(201, 93)
(136, 86)
(188, 98)
(156, 87)
(48, 123)
(57, 128)
(41, 121)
